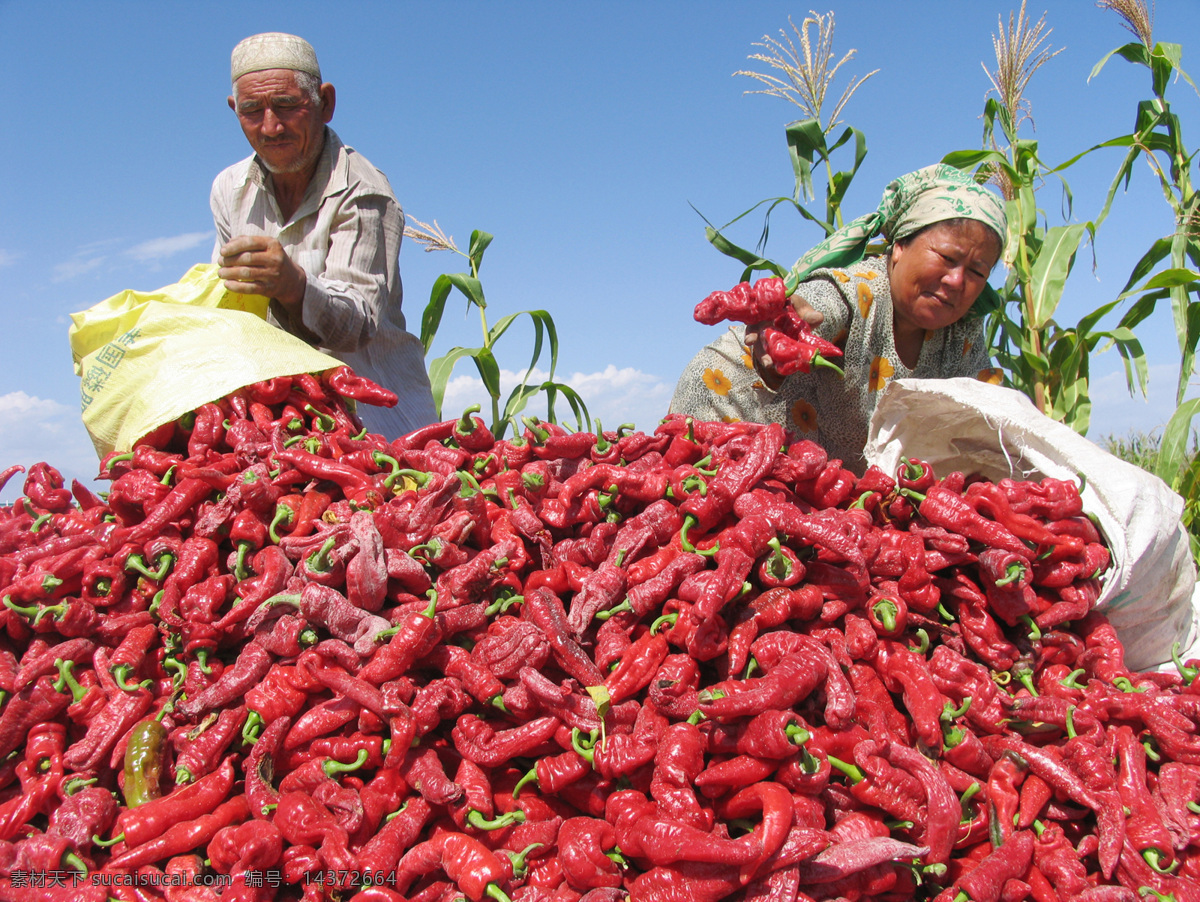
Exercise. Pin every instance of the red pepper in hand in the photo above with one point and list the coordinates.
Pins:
(744, 303)
(795, 348)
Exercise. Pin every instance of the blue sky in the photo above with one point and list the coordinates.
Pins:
(580, 134)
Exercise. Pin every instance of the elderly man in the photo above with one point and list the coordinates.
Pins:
(309, 223)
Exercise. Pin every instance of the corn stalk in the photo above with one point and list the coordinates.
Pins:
(470, 287)
(808, 72)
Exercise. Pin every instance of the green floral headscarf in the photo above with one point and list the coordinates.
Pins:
(910, 203)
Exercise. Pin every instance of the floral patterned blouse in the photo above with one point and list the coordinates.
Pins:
(720, 383)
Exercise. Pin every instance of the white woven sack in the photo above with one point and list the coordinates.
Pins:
(967, 425)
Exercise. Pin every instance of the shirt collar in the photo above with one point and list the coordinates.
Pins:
(330, 177)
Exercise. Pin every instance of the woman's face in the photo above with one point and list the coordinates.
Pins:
(937, 276)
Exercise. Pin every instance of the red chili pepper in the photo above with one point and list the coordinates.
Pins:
(382, 853)
(906, 673)
(791, 679)
(198, 750)
(795, 348)
(39, 773)
(348, 384)
(744, 303)
(144, 823)
(475, 870)
(183, 837)
(87, 812)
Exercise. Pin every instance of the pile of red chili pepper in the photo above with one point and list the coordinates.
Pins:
(789, 340)
(283, 658)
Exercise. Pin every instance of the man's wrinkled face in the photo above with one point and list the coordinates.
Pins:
(281, 121)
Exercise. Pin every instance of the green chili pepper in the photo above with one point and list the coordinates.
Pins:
(144, 762)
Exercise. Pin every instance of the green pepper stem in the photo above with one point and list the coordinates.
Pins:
(476, 819)
(284, 515)
(493, 890)
(689, 521)
(135, 563)
(333, 767)
(178, 670)
(322, 421)
(796, 734)
(240, 570)
(530, 776)
(539, 434)
(1154, 857)
(1071, 680)
(922, 645)
(810, 764)
(119, 458)
(1125, 685)
(620, 608)
(58, 610)
(583, 751)
(319, 561)
(518, 859)
(202, 661)
(1035, 632)
(29, 612)
(1012, 573)
(120, 675)
(967, 795)
(1187, 673)
(671, 619)
(885, 612)
(74, 784)
(855, 773)
(821, 360)
(602, 444)
(502, 603)
(949, 712)
(105, 843)
(1024, 676)
(66, 680)
(283, 598)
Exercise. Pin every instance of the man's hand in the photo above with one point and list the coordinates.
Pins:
(762, 360)
(255, 264)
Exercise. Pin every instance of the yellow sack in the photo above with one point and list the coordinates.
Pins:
(146, 358)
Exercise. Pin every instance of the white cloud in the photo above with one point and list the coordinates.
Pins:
(7, 258)
(614, 395)
(79, 265)
(160, 248)
(41, 429)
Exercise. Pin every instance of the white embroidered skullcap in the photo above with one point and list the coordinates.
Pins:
(273, 50)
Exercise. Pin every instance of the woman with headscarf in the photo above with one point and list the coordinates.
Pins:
(914, 310)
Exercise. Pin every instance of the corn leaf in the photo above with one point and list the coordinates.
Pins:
(440, 370)
(479, 243)
(1173, 448)
(754, 263)
(431, 319)
(806, 143)
(1050, 271)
